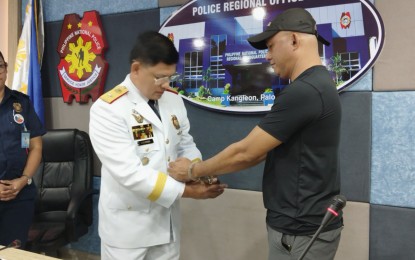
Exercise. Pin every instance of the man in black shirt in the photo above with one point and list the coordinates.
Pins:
(298, 138)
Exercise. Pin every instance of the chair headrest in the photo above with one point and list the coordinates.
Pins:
(63, 145)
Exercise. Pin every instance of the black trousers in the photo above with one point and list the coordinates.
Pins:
(15, 219)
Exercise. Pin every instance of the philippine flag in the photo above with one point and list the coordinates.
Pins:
(29, 55)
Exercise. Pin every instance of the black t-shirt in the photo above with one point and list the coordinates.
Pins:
(301, 175)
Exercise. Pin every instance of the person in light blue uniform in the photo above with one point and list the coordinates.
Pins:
(20, 156)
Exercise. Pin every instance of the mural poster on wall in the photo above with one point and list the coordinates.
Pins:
(221, 71)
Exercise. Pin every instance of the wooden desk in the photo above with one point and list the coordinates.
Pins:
(17, 254)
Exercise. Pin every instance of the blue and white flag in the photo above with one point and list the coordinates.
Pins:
(29, 55)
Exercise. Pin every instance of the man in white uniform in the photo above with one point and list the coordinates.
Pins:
(139, 215)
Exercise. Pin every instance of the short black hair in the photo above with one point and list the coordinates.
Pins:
(152, 48)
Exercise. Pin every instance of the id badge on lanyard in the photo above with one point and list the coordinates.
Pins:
(25, 139)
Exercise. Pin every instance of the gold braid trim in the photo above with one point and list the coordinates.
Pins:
(159, 187)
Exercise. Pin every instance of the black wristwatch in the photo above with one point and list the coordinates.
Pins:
(29, 179)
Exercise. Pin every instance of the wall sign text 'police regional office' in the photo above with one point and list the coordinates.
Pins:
(221, 71)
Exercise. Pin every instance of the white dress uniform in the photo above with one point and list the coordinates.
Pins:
(139, 202)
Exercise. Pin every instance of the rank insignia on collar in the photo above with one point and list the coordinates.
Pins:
(175, 122)
(17, 107)
(139, 118)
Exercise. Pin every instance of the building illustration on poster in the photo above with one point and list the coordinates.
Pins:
(221, 71)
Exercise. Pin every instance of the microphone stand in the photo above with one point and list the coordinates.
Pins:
(311, 242)
(337, 204)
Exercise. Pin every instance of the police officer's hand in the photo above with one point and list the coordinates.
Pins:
(201, 190)
(179, 169)
(9, 189)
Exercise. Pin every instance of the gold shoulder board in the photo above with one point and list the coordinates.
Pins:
(114, 94)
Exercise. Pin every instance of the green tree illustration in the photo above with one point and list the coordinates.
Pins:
(337, 66)
(206, 77)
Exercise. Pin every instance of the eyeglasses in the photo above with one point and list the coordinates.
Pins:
(3, 67)
(163, 80)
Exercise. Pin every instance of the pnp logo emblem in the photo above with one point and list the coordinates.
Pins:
(82, 68)
(345, 20)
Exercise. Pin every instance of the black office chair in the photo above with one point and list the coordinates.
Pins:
(63, 207)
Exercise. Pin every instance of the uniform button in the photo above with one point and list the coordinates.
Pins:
(129, 207)
(145, 160)
(167, 141)
(168, 159)
(147, 149)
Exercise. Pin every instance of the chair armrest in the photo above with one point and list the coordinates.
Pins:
(77, 201)
(74, 207)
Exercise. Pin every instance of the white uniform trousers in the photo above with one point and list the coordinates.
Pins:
(169, 251)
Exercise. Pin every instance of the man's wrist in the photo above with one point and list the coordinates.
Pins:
(190, 172)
